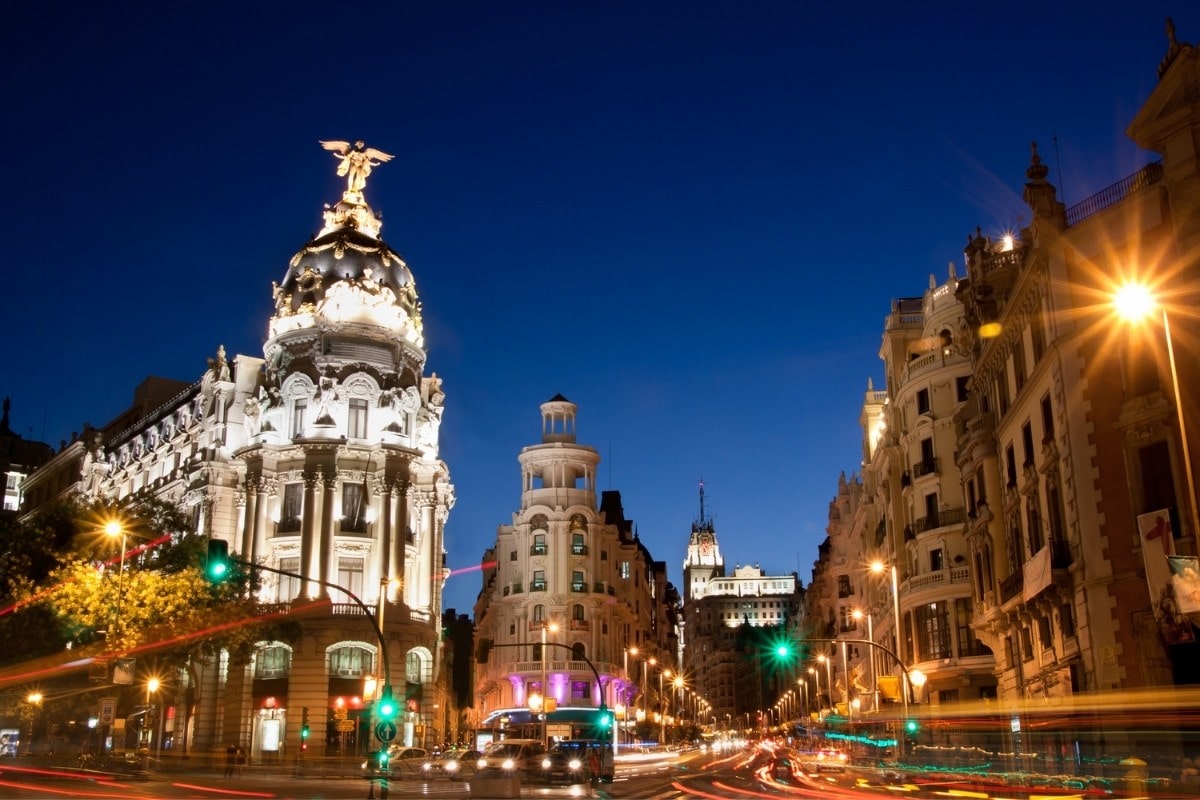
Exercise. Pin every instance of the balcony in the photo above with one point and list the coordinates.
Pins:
(579, 550)
(538, 550)
(579, 587)
(941, 577)
(926, 467)
(537, 586)
(287, 525)
(942, 519)
(1012, 586)
(581, 625)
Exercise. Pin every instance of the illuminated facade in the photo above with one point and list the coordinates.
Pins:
(319, 459)
(572, 570)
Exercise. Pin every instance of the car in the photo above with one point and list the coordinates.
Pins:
(563, 765)
(399, 757)
(512, 756)
(455, 765)
(781, 767)
(574, 760)
(828, 760)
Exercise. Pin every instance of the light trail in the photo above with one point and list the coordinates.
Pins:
(231, 792)
(475, 568)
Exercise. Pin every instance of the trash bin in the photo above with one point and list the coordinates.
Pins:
(491, 783)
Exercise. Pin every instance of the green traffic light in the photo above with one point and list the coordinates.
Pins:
(304, 732)
(216, 566)
(387, 706)
(782, 651)
(911, 726)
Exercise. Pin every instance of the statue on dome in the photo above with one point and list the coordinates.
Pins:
(356, 162)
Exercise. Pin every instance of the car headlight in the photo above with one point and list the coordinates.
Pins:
(427, 766)
(546, 763)
(508, 764)
(481, 763)
(575, 763)
(451, 766)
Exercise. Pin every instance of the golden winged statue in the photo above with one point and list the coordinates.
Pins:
(356, 162)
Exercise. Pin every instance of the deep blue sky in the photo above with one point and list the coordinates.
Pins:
(689, 218)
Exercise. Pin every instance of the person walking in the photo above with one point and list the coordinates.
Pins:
(231, 754)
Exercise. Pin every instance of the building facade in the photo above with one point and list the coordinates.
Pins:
(318, 459)
(568, 572)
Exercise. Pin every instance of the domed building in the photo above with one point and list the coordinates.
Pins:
(319, 461)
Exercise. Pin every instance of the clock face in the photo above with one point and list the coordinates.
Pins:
(705, 549)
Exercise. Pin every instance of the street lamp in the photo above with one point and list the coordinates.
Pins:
(34, 699)
(1134, 302)
(114, 527)
(150, 722)
(662, 706)
(878, 567)
(858, 614)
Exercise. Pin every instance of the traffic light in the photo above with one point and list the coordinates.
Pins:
(911, 728)
(383, 758)
(387, 705)
(304, 729)
(606, 719)
(216, 566)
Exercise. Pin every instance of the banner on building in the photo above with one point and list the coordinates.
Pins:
(1185, 580)
(1037, 574)
(1157, 539)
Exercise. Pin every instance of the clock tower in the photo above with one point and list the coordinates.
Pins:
(703, 560)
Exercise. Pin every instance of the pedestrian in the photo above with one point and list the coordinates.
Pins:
(593, 766)
(231, 753)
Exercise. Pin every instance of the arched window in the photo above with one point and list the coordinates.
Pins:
(539, 613)
(576, 612)
(578, 652)
(351, 661)
(272, 661)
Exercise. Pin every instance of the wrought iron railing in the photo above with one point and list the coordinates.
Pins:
(1146, 176)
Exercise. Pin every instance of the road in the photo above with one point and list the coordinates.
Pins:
(737, 775)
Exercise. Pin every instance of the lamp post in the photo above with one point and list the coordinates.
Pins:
(546, 626)
(151, 720)
(1134, 302)
(859, 614)
(662, 707)
(878, 567)
(114, 527)
(35, 700)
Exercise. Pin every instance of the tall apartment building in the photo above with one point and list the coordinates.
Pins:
(572, 570)
(320, 459)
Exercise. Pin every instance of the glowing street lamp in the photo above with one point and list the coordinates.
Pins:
(552, 627)
(34, 699)
(1134, 302)
(878, 567)
(114, 528)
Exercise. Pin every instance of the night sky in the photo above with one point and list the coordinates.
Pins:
(688, 218)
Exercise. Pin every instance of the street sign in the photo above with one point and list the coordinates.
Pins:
(385, 731)
(345, 725)
(339, 713)
(108, 710)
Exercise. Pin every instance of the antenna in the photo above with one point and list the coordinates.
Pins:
(1062, 184)
(702, 502)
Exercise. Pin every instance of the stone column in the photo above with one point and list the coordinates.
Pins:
(328, 544)
(307, 526)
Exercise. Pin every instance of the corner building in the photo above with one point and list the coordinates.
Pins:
(319, 459)
(572, 571)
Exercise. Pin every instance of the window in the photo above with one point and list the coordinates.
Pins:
(1027, 443)
(272, 661)
(1044, 633)
(1066, 620)
(539, 613)
(1037, 537)
(350, 576)
(1019, 362)
(847, 621)
(1047, 420)
(933, 628)
(299, 408)
(351, 661)
(1002, 391)
(538, 584)
(927, 464)
(581, 690)
(289, 585)
(1037, 333)
(354, 517)
(293, 505)
(357, 427)
(1010, 461)
(623, 570)
(578, 583)
(539, 545)
(923, 401)
(577, 612)
(968, 645)
(844, 587)
(961, 392)
(936, 560)
(604, 555)
(512, 555)
(1026, 645)
(578, 548)
(578, 652)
